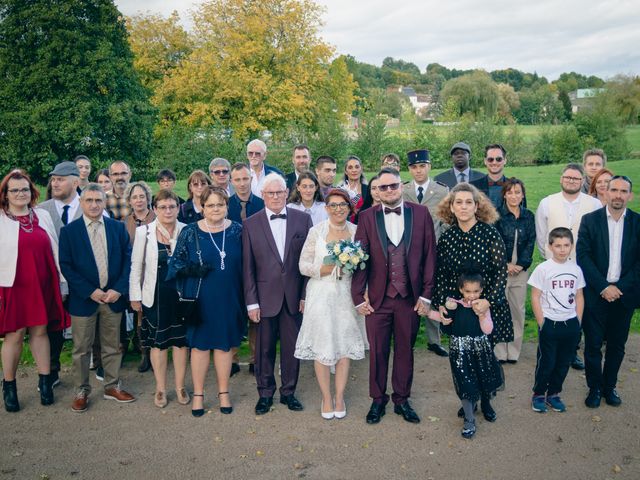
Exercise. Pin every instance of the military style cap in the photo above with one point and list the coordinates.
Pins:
(65, 169)
(418, 156)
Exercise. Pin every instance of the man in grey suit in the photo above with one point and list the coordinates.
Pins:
(425, 191)
(461, 172)
(64, 207)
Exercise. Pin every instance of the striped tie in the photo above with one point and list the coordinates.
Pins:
(100, 253)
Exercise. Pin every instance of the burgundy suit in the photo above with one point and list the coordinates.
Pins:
(277, 287)
(394, 301)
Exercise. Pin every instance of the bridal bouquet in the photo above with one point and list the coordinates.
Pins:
(347, 255)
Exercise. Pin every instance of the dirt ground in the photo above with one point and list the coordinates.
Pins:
(139, 440)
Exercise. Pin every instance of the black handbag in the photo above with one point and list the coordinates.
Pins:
(189, 308)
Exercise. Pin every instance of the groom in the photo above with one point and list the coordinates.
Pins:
(272, 240)
(400, 240)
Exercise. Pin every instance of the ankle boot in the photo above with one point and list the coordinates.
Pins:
(145, 361)
(46, 390)
(10, 394)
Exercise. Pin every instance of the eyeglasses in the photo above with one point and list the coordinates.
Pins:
(572, 179)
(494, 159)
(167, 208)
(391, 186)
(17, 191)
(254, 154)
(215, 206)
(277, 194)
(336, 206)
(219, 172)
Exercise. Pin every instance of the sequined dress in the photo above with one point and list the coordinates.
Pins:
(474, 367)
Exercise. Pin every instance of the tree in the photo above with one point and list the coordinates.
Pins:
(255, 66)
(508, 102)
(475, 93)
(625, 97)
(68, 86)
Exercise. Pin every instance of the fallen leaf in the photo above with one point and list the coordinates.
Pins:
(433, 419)
(512, 396)
(260, 453)
(44, 476)
(431, 453)
(616, 469)
(559, 439)
(298, 466)
(16, 454)
(634, 370)
(217, 439)
(244, 455)
(299, 448)
(365, 445)
(596, 418)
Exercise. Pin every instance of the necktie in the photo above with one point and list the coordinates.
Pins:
(65, 214)
(99, 253)
(388, 210)
(243, 210)
(275, 216)
(420, 194)
(462, 178)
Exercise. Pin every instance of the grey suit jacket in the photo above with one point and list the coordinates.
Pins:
(432, 197)
(450, 179)
(50, 207)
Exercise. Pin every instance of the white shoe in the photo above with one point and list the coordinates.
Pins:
(325, 415)
(341, 414)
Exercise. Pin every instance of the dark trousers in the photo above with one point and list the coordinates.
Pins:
(395, 316)
(556, 349)
(284, 326)
(610, 322)
(56, 342)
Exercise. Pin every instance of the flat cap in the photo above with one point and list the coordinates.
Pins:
(65, 169)
(460, 146)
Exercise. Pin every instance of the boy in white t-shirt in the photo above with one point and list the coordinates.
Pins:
(557, 303)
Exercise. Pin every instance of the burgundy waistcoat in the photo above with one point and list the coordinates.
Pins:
(397, 272)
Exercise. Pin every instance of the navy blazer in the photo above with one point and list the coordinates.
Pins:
(254, 205)
(592, 252)
(79, 267)
(291, 181)
(482, 184)
(451, 180)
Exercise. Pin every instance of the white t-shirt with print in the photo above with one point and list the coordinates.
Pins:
(559, 283)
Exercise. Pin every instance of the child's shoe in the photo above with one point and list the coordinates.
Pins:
(556, 403)
(538, 404)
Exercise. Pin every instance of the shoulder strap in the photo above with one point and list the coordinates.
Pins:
(144, 256)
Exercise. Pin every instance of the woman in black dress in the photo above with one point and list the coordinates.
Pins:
(156, 297)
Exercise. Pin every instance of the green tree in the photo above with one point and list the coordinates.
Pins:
(69, 86)
(475, 93)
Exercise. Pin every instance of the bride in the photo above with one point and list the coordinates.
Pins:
(332, 332)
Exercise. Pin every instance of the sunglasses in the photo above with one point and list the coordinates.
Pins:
(219, 172)
(391, 186)
(494, 159)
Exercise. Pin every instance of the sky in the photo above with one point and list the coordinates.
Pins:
(592, 37)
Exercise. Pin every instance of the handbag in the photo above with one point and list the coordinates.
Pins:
(189, 308)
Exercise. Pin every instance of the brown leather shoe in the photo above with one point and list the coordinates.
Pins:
(80, 402)
(119, 395)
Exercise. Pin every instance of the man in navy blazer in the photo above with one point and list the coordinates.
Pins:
(95, 258)
(272, 240)
(609, 254)
(461, 171)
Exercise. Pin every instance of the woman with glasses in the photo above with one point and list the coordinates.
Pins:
(307, 198)
(355, 183)
(30, 284)
(332, 332)
(156, 297)
(190, 210)
(208, 265)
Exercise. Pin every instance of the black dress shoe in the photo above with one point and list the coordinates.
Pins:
(264, 405)
(461, 411)
(612, 398)
(407, 412)
(488, 412)
(593, 399)
(376, 412)
(291, 402)
(235, 368)
(512, 362)
(145, 361)
(576, 363)
(437, 349)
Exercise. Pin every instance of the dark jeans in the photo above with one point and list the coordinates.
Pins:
(556, 349)
(56, 342)
(610, 322)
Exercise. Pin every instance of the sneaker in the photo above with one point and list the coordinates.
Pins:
(469, 428)
(556, 403)
(538, 404)
(100, 374)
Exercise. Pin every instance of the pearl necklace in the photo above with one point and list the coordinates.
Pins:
(221, 251)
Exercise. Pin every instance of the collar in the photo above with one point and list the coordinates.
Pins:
(270, 212)
(88, 221)
(609, 216)
(75, 201)
(466, 172)
(424, 185)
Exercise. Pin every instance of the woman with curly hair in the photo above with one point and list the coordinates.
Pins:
(473, 243)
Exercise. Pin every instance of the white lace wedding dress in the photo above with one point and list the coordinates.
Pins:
(331, 327)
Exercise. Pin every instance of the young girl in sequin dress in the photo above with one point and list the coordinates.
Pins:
(475, 369)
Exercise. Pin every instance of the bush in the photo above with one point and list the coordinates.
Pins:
(601, 127)
(566, 145)
(543, 147)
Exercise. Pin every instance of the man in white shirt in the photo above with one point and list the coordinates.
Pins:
(256, 155)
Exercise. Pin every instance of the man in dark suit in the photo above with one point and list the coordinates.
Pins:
(274, 289)
(95, 259)
(609, 254)
(256, 156)
(495, 158)
(461, 172)
(64, 207)
(301, 160)
(400, 240)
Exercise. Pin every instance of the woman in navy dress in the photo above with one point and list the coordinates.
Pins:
(220, 298)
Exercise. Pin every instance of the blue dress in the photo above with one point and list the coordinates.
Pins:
(220, 300)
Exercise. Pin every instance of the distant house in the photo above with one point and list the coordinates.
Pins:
(582, 98)
(419, 102)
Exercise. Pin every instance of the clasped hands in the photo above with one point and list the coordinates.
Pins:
(611, 293)
(102, 297)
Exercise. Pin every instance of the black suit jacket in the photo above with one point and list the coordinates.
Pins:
(482, 184)
(291, 181)
(593, 254)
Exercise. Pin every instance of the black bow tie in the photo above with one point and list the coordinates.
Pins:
(281, 215)
(499, 183)
(396, 210)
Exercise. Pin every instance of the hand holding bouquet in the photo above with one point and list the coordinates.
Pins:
(346, 255)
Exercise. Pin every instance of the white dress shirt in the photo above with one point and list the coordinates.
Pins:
(73, 207)
(394, 224)
(317, 211)
(616, 230)
(257, 180)
(424, 186)
(466, 171)
(278, 230)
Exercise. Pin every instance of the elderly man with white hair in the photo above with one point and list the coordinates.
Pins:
(256, 155)
(272, 240)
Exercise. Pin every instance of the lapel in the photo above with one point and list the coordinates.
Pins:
(87, 245)
(604, 234)
(266, 228)
(408, 227)
(110, 243)
(287, 236)
(382, 231)
(626, 237)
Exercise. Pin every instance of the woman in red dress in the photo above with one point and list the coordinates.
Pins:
(30, 295)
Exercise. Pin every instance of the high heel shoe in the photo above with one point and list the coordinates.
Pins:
(198, 412)
(10, 393)
(225, 410)
(325, 415)
(160, 399)
(340, 414)
(46, 390)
